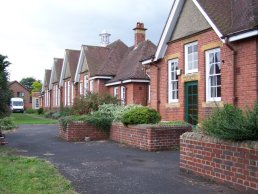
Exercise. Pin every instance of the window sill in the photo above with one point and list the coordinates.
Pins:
(212, 104)
(172, 105)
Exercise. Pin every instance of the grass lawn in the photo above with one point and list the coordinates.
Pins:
(29, 175)
(23, 118)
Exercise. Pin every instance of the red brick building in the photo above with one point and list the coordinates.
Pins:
(68, 89)
(54, 87)
(116, 69)
(20, 91)
(46, 94)
(207, 56)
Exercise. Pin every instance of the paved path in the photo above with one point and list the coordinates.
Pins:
(109, 168)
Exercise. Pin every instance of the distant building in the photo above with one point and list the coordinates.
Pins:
(20, 91)
(36, 100)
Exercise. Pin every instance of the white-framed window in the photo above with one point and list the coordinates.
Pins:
(65, 93)
(191, 57)
(72, 88)
(149, 92)
(91, 86)
(85, 85)
(56, 95)
(68, 93)
(115, 91)
(36, 103)
(213, 75)
(59, 97)
(123, 95)
(172, 81)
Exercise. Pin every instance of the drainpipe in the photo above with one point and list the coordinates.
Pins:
(158, 88)
(231, 47)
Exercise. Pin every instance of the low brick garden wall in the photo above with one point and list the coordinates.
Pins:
(77, 131)
(231, 163)
(148, 137)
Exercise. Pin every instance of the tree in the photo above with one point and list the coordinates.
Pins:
(37, 85)
(5, 93)
(27, 82)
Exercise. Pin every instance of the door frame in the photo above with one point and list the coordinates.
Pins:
(187, 84)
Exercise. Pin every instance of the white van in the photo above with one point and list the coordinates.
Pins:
(17, 105)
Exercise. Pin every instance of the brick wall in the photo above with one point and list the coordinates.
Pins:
(77, 131)
(146, 137)
(245, 63)
(231, 163)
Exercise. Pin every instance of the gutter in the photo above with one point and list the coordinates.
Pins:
(231, 47)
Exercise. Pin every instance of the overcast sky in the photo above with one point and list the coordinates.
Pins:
(33, 32)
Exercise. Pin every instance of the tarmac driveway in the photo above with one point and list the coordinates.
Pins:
(106, 167)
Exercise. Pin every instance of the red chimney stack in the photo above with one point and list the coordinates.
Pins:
(139, 33)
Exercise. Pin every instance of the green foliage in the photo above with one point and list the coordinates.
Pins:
(141, 115)
(40, 111)
(30, 111)
(5, 93)
(56, 115)
(101, 121)
(20, 174)
(231, 123)
(91, 102)
(36, 86)
(48, 114)
(28, 82)
(66, 111)
(7, 123)
(116, 111)
(174, 123)
(64, 121)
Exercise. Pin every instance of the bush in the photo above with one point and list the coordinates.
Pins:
(7, 123)
(40, 111)
(90, 103)
(101, 121)
(231, 123)
(48, 114)
(141, 115)
(116, 111)
(66, 111)
(64, 121)
(30, 111)
(56, 115)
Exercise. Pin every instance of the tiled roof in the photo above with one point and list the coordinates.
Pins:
(58, 67)
(117, 51)
(47, 77)
(72, 61)
(104, 61)
(130, 67)
(231, 16)
(95, 57)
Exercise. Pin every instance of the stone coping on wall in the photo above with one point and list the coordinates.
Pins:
(199, 136)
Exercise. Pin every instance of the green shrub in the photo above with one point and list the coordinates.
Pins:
(56, 115)
(48, 114)
(64, 121)
(140, 115)
(7, 123)
(231, 123)
(30, 111)
(66, 111)
(101, 121)
(116, 111)
(90, 103)
(40, 111)
(175, 123)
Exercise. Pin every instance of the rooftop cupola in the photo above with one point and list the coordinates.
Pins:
(104, 38)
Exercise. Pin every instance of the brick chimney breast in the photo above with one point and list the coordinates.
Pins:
(139, 33)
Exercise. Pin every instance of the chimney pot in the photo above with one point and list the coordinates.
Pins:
(139, 33)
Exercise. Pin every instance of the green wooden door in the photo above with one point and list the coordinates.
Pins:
(191, 102)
